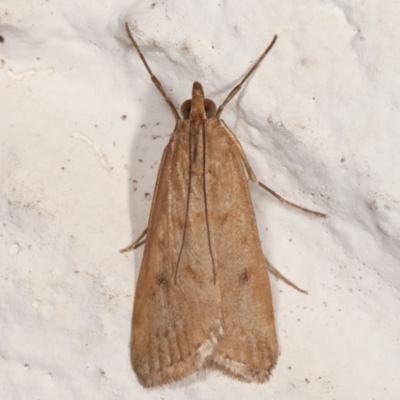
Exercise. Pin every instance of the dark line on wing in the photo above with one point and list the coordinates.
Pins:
(187, 205)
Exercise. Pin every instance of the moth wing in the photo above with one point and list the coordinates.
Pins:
(248, 349)
(175, 325)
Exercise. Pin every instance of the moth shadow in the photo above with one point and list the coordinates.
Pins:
(151, 132)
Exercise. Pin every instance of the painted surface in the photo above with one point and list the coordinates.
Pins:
(82, 130)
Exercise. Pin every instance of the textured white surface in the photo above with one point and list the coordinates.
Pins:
(319, 122)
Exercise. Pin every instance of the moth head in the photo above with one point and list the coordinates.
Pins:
(209, 107)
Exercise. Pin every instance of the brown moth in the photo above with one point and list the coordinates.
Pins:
(203, 296)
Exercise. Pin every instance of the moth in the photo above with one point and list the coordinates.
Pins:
(203, 296)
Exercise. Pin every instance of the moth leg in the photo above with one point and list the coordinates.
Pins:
(280, 198)
(137, 243)
(254, 179)
(282, 277)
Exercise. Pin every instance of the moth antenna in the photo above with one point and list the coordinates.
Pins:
(232, 94)
(210, 242)
(186, 212)
(152, 76)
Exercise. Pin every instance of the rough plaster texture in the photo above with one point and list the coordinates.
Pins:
(320, 124)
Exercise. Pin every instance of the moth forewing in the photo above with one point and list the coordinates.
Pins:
(248, 350)
(203, 297)
(175, 326)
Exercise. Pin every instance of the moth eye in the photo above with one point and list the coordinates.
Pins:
(185, 109)
(210, 108)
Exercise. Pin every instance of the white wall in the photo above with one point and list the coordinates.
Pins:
(319, 121)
